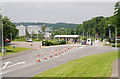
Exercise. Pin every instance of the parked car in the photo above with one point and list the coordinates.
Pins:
(29, 40)
(7, 40)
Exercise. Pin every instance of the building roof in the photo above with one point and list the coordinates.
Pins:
(57, 36)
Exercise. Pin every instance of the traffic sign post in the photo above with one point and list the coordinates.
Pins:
(14, 48)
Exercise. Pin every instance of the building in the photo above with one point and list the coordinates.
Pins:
(33, 29)
(48, 31)
(22, 30)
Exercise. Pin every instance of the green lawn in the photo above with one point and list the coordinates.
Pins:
(24, 39)
(11, 50)
(99, 65)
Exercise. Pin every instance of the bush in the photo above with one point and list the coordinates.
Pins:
(112, 41)
(49, 43)
(63, 42)
(113, 45)
(118, 45)
(46, 43)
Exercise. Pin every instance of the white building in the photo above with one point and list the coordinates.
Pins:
(33, 29)
(22, 30)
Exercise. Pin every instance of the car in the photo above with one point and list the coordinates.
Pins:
(29, 40)
(7, 40)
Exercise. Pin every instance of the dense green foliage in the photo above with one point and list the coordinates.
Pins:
(118, 45)
(96, 25)
(117, 17)
(9, 28)
(54, 42)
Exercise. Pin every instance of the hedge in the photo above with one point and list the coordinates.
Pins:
(118, 45)
(49, 43)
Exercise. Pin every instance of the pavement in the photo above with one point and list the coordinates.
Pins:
(35, 44)
(26, 65)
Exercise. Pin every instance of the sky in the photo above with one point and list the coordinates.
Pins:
(53, 12)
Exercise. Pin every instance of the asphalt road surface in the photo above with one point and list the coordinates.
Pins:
(26, 65)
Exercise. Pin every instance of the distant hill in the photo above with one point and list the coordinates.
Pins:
(55, 26)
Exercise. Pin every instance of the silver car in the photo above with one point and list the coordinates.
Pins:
(29, 40)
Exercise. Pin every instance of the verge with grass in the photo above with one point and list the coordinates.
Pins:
(11, 50)
(99, 65)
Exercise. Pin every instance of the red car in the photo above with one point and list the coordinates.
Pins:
(7, 40)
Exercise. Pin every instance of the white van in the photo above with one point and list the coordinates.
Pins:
(89, 42)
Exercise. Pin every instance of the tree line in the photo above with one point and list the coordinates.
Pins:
(101, 25)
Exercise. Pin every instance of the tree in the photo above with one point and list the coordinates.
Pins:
(43, 28)
(9, 28)
(117, 17)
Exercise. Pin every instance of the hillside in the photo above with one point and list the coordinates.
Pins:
(55, 26)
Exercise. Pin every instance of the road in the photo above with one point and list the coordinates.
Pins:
(26, 65)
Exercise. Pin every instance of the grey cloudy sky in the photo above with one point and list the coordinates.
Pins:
(52, 12)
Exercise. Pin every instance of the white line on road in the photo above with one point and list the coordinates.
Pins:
(6, 63)
(5, 72)
(12, 65)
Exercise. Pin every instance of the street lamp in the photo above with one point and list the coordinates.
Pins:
(2, 41)
(66, 36)
(115, 35)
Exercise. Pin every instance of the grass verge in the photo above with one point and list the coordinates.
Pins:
(99, 65)
(11, 50)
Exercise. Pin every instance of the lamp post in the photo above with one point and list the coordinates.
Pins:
(115, 35)
(109, 34)
(66, 36)
(2, 40)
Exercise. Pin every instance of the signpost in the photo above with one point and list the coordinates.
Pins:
(14, 48)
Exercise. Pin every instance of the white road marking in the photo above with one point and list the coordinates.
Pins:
(6, 63)
(12, 65)
(16, 64)
(5, 72)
